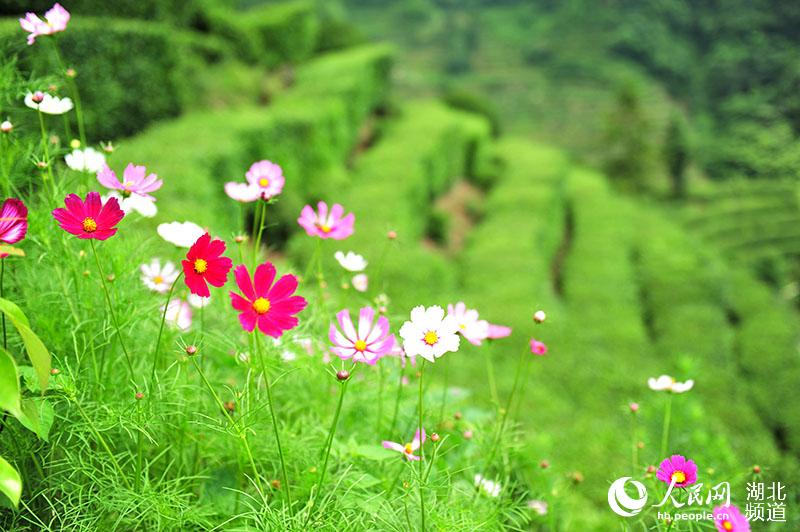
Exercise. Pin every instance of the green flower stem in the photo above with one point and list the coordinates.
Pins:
(257, 243)
(328, 444)
(103, 444)
(379, 280)
(397, 399)
(274, 418)
(139, 448)
(241, 432)
(665, 430)
(634, 446)
(111, 308)
(379, 416)
(160, 332)
(73, 87)
(2, 294)
(421, 452)
(46, 149)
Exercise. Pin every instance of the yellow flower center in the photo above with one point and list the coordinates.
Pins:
(200, 266)
(264, 182)
(261, 305)
(325, 228)
(89, 225)
(127, 184)
(431, 337)
(361, 345)
(679, 477)
(727, 525)
(408, 448)
(158, 279)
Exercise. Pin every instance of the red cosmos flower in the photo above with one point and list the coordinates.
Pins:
(89, 219)
(205, 263)
(13, 222)
(270, 306)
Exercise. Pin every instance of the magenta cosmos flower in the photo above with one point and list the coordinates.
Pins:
(678, 469)
(205, 264)
(90, 218)
(270, 306)
(134, 181)
(537, 347)
(13, 222)
(326, 224)
(408, 448)
(729, 518)
(367, 343)
(55, 20)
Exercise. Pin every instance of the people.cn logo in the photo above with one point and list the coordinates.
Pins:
(623, 504)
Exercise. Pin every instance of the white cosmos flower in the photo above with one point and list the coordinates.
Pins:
(474, 329)
(244, 192)
(540, 507)
(181, 234)
(361, 282)
(352, 262)
(665, 383)
(134, 203)
(51, 105)
(179, 314)
(488, 487)
(88, 160)
(430, 334)
(158, 278)
(198, 301)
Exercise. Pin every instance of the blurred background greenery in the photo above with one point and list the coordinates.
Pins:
(629, 166)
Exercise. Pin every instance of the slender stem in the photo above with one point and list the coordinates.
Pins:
(256, 216)
(257, 245)
(139, 449)
(161, 331)
(490, 376)
(379, 281)
(73, 87)
(328, 444)
(313, 261)
(379, 417)
(665, 430)
(635, 447)
(111, 308)
(2, 294)
(397, 399)
(320, 276)
(46, 149)
(242, 433)
(274, 419)
(103, 443)
(421, 452)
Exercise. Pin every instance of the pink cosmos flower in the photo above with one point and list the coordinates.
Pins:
(205, 264)
(678, 469)
(498, 331)
(537, 347)
(267, 177)
(179, 314)
(270, 306)
(326, 224)
(89, 219)
(134, 181)
(368, 343)
(244, 192)
(55, 20)
(409, 448)
(729, 518)
(13, 222)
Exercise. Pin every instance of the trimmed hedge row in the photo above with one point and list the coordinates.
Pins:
(179, 12)
(130, 73)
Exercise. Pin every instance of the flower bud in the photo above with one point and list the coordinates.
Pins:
(634, 407)
(468, 435)
(435, 437)
(139, 396)
(108, 147)
(756, 469)
(191, 349)
(458, 416)
(539, 316)
(52, 87)
(86, 273)
(230, 406)
(6, 126)
(651, 469)
(276, 484)
(41, 164)
(37, 97)
(391, 235)
(239, 239)
(74, 144)
(71, 73)
(55, 371)
(577, 477)
(343, 375)
(111, 277)
(544, 464)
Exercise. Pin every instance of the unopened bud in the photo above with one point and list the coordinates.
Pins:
(6, 126)
(74, 144)
(539, 316)
(756, 469)
(435, 437)
(54, 139)
(55, 371)
(52, 87)
(458, 416)
(111, 277)
(577, 477)
(343, 375)
(71, 73)
(634, 407)
(86, 273)
(276, 484)
(139, 396)
(239, 239)
(651, 469)
(191, 350)
(37, 97)
(41, 164)
(544, 464)
(391, 235)
(230, 406)
(107, 147)
(468, 435)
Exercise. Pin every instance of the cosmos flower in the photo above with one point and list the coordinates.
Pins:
(267, 178)
(729, 518)
(678, 469)
(134, 181)
(91, 219)
(87, 160)
(367, 343)
(429, 334)
(179, 314)
(272, 307)
(352, 262)
(198, 301)
(55, 20)
(538, 348)
(360, 282)
(6, 126)
(408, 448)
(487, 487)
(47, 103)
(665, 383)
(13, 222)
(205, 264)
(181, 234)
(134, 203)
(326, 224)
(540, 507)
(243, 192)
(158, 278)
